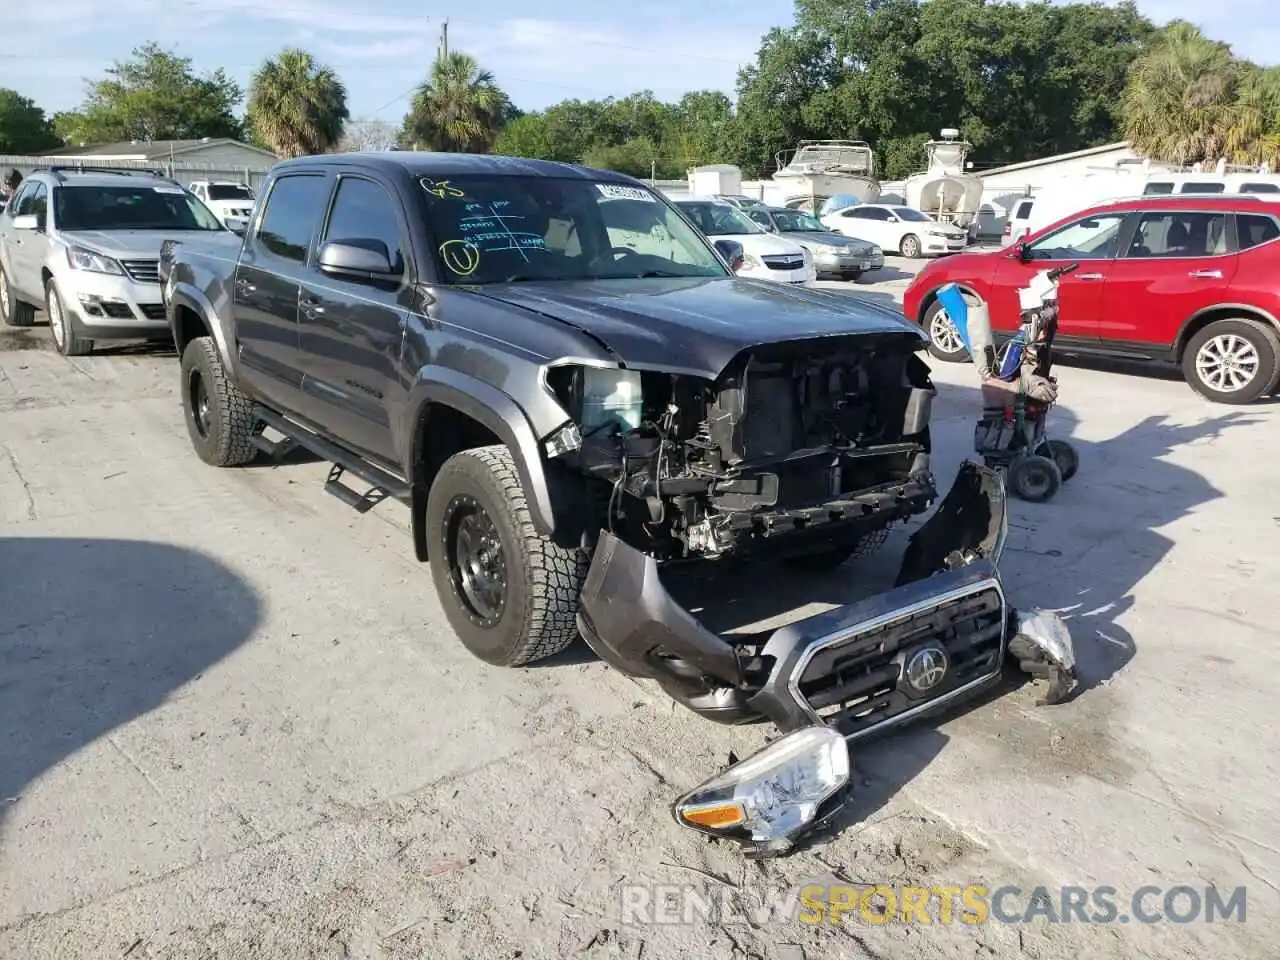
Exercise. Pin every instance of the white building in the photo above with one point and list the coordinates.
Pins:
(211, 151)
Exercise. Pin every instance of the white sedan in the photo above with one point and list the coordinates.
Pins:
(766, 255)
(892, 227)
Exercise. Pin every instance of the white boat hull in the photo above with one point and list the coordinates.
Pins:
(791, 190)
(948, 198)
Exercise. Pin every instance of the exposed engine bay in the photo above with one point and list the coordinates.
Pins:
(824, 439)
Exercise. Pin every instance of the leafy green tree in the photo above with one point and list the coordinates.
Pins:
(459, 108)
(154, 95)
(1180, 103)
(24, 129)
(297, 107)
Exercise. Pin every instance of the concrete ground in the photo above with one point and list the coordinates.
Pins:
(234, 723)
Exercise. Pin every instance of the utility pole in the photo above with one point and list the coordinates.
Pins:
(444, 40)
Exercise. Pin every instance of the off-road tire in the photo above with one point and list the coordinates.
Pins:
(959, 355)
(1063, 454)
(544, 580)
(228, 438)
(1034, 478)
(1260, 336)
(69, 345)
(17, 314)
(832, 558)
(909, 247)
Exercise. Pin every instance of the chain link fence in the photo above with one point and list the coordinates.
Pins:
(183, 172)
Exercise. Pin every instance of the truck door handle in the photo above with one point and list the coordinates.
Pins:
(1206, 274)
(244, 286)
(311, 308)
(1088, 276)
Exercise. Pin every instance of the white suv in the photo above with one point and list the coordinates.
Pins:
(227, 199)
(84, 244)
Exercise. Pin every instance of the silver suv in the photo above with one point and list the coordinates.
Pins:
(83, 245)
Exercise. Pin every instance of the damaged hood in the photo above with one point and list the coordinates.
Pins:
(698, 325)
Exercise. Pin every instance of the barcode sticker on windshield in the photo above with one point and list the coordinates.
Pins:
(616, 191)
(177, 190)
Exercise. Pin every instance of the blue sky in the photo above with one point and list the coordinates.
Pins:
(540, 53)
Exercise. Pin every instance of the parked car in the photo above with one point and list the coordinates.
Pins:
(765, 256)
(228, 199)
(832, 254)
(563, 413)
(83, 245)
(1189, 280)
(1018, 225)
(901, 229)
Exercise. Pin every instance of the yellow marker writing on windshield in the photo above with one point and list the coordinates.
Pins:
(460, 256)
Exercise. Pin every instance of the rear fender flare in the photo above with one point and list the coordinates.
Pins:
(1242, 310)
(185, 295)
(498, 412)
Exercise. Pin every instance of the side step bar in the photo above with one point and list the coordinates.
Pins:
(381, 483)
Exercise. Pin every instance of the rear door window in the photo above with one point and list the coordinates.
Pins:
(292, 215)
(1179, 234)
(1023, 211)
(1203, 186)
(1253, 229)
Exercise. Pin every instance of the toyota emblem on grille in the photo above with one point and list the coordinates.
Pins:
(926, 668)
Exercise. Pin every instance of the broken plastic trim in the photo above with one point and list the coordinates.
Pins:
(1042, 645)
(632, 623)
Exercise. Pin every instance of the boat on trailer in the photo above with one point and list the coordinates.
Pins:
(944, 190)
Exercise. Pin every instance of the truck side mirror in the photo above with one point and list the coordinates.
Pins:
(365, 259)
(1021, 252)
(732, 252)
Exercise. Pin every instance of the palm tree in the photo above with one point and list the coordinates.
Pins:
(1179, 103)
(296, 106)
(458, 108)
(1255, 134)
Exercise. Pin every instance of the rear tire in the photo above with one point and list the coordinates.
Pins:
(219, 416)
(1034, 478)
(944, 339)
(1063, 454)
(13, 312)
(61, 326)
(510, 594)
(1233, 361)
(910, 246)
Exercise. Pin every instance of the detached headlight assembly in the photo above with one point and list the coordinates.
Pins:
(81, 259)
(769, 800)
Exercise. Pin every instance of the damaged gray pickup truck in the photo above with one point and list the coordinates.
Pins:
(571, 390)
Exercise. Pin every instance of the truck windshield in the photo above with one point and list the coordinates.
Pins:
(497, 229)
(130, 208)
(229, 191)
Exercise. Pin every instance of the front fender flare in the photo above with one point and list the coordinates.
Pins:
(490, 406)
(190, 297)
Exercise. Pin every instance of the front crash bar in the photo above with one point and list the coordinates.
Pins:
(947, 610)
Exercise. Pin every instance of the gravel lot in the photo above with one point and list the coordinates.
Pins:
(234, 723)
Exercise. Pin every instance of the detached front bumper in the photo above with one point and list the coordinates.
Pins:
(940, 635)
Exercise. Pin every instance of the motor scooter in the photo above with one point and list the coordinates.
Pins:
(1018, 387)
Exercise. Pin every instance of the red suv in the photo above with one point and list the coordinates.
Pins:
(1191, 280)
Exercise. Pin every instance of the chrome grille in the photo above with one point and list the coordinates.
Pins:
(785, 261)
(142, 271)
(856, 683)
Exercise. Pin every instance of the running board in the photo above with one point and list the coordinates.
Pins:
(381, 483)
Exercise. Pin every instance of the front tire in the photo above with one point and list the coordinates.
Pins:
(510, 594)
(1034, 478)
(61, 326)
(832, 558)
(12, 312)
(1233, 361)
(944, 338)
(910, 246)
(219, 416)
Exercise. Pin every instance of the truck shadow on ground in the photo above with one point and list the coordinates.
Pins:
(95, 633)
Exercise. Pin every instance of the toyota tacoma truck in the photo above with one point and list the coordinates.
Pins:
(571, 390)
